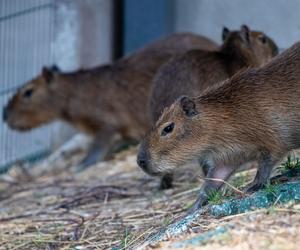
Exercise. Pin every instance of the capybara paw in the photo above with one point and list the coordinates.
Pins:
(253, 187)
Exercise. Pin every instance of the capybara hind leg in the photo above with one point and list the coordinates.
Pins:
(119, 146)
(262, 177)
(100, 150)
(94, 155)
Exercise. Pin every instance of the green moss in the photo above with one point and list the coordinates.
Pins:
(270, 189)
(239, 181)
(214, 197)
(292, 164)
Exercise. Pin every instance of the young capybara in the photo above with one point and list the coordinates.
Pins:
(191, 72)
(108, 102)
(254, 116)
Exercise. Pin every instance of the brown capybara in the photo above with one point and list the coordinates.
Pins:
(253, 116)
(191, 72)
(108, 102)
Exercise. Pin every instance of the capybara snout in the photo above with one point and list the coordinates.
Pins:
(143, 159)
(33, 104)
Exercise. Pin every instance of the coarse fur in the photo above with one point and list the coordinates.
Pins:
(108, 102)
(190, 73)
(254, 116)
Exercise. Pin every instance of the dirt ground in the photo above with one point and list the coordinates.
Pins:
(276, 229)
(115, 205)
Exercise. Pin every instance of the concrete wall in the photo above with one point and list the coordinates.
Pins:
(83, 35)
(278, 18)
(83, 39)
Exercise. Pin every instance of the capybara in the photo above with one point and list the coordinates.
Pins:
(108, 102)
(253, 116)
(191, 72)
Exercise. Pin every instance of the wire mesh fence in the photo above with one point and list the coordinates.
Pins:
(26, 44)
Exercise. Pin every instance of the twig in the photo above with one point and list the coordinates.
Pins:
(186, 192)
(94, 194)
(21, 216)
(21, 245)
(140, 236)
(279, 196)
(229, 185)
(54, 220)
(93, 244)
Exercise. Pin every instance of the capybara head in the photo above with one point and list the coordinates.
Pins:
(172, 140)
(33, 103)
(253, 46)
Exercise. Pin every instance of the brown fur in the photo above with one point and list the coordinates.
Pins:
(254, 116)
(190, 73)
(108, 102)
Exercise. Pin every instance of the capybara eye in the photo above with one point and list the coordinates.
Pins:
(263, 39)
(168, 129)
(28, 93)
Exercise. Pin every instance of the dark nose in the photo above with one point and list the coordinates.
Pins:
(4, 114)
(142, 160)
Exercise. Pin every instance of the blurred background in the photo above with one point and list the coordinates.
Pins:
(77, 34)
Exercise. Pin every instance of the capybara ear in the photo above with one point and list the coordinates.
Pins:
(245, 33)
(225, 33)
(48, 74)
(188, 106)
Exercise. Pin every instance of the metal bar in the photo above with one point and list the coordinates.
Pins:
(27, 11)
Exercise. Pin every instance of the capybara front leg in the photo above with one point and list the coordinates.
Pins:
(214, 181)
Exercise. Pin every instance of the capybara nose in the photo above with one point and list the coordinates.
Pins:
(142, 159)
(142, 162)
(4, 114)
